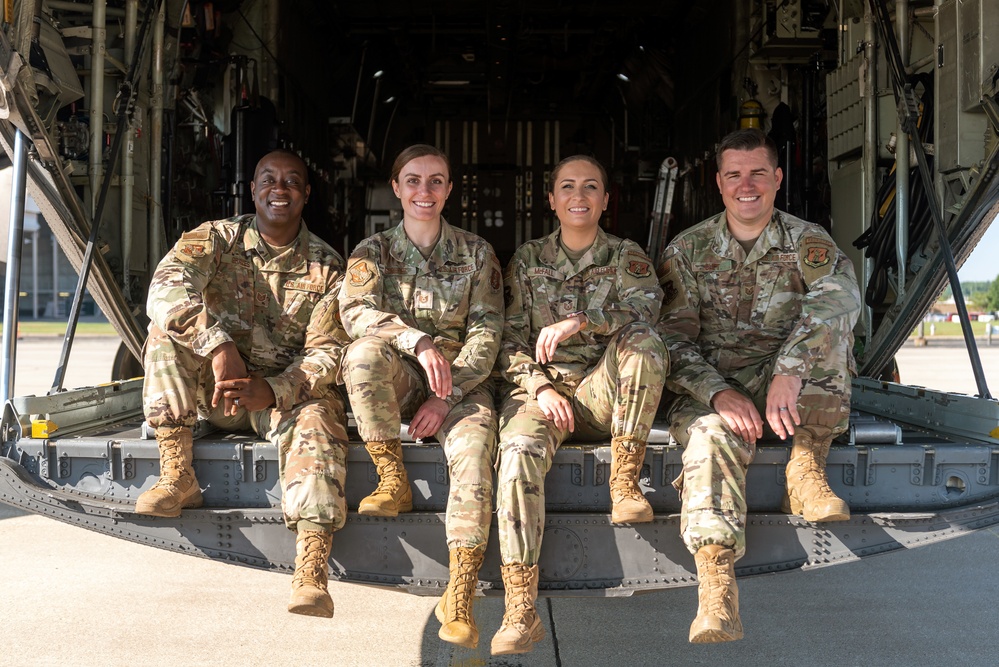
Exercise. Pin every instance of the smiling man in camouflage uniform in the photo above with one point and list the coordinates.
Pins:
(245, 331)
(758, 316)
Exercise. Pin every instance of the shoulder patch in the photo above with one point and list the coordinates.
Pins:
(638, 268)
(495, 280)
(817, 257)
(360, 273)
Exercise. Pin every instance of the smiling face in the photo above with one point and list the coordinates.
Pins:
(280, 189)
(578, 195)
(423, 185)
(748, 182)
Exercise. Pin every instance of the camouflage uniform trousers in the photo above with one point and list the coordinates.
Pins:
(311, 437)
(712, 485)
(618, 398)
(384, 387)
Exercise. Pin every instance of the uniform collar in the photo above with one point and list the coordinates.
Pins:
(403, 250)
(553, 255)
(775, 235)
(293, 260)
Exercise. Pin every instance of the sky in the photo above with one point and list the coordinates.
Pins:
(983, 264)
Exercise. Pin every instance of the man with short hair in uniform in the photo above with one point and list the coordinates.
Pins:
(758, 316)
(245, 331)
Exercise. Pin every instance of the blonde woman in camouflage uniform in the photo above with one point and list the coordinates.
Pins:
(758, 316)
(580, 358)
(424, 305)
(245, 331)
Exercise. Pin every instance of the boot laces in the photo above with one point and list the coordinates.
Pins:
(716, 587)
(390, 469)
(312, 568)
(519, 604)
(625, 483)
(811, 472)
(464, 586)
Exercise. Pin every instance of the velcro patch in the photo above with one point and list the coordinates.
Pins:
(495, 280)
(304, 286)
(817, 256)
(638, 268)
(544, 272)
(360, 273)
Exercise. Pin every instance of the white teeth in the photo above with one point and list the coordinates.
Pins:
(423, 204)
(280, 204)
(747, 199)
(578, 210)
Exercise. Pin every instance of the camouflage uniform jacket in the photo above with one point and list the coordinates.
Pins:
(454, 297)
(220, 283)
(612, 283)
(724, 311)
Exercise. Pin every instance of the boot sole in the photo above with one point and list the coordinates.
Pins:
(715, 637)
(375, 510)
(310, 610)
(788, 507)
(645, 517)
(194, 502)
(467, 643)
(517, 649)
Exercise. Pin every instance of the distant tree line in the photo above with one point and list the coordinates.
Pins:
(983, 294)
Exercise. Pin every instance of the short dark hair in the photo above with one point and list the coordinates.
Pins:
(746, 140)
(287, 153)
(577, 158)
(418, 151)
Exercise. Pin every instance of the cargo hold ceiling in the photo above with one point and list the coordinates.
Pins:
(505, 59)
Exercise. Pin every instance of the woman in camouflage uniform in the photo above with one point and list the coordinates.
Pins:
(579, 357)
(424, 306)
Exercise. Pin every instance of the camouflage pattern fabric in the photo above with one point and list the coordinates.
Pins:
(220, 283)
(732, 320)
(612, 372)
(454, 297)
(393, 297)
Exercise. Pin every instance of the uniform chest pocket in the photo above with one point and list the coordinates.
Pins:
(779, 294)
(456, 295)
(546, 297)
(399, 283)
(235, 293)
(721, 294)
(289, 325)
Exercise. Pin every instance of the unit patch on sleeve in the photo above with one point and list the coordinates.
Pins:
(495, 280)
(360, 273)
(638, 268)
(817, 256)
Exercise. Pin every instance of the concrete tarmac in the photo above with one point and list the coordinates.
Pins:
(69, 596)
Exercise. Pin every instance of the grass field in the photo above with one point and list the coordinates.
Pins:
(34, 328)
(952, 329)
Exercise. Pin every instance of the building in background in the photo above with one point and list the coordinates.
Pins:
(48, 280)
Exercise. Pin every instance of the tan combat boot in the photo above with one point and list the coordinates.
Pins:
(628, 504)
(309, 594)
(454, 611)
(717, 597)
(393, 494)
(176, 488)
(521, 628)
(808, 492)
